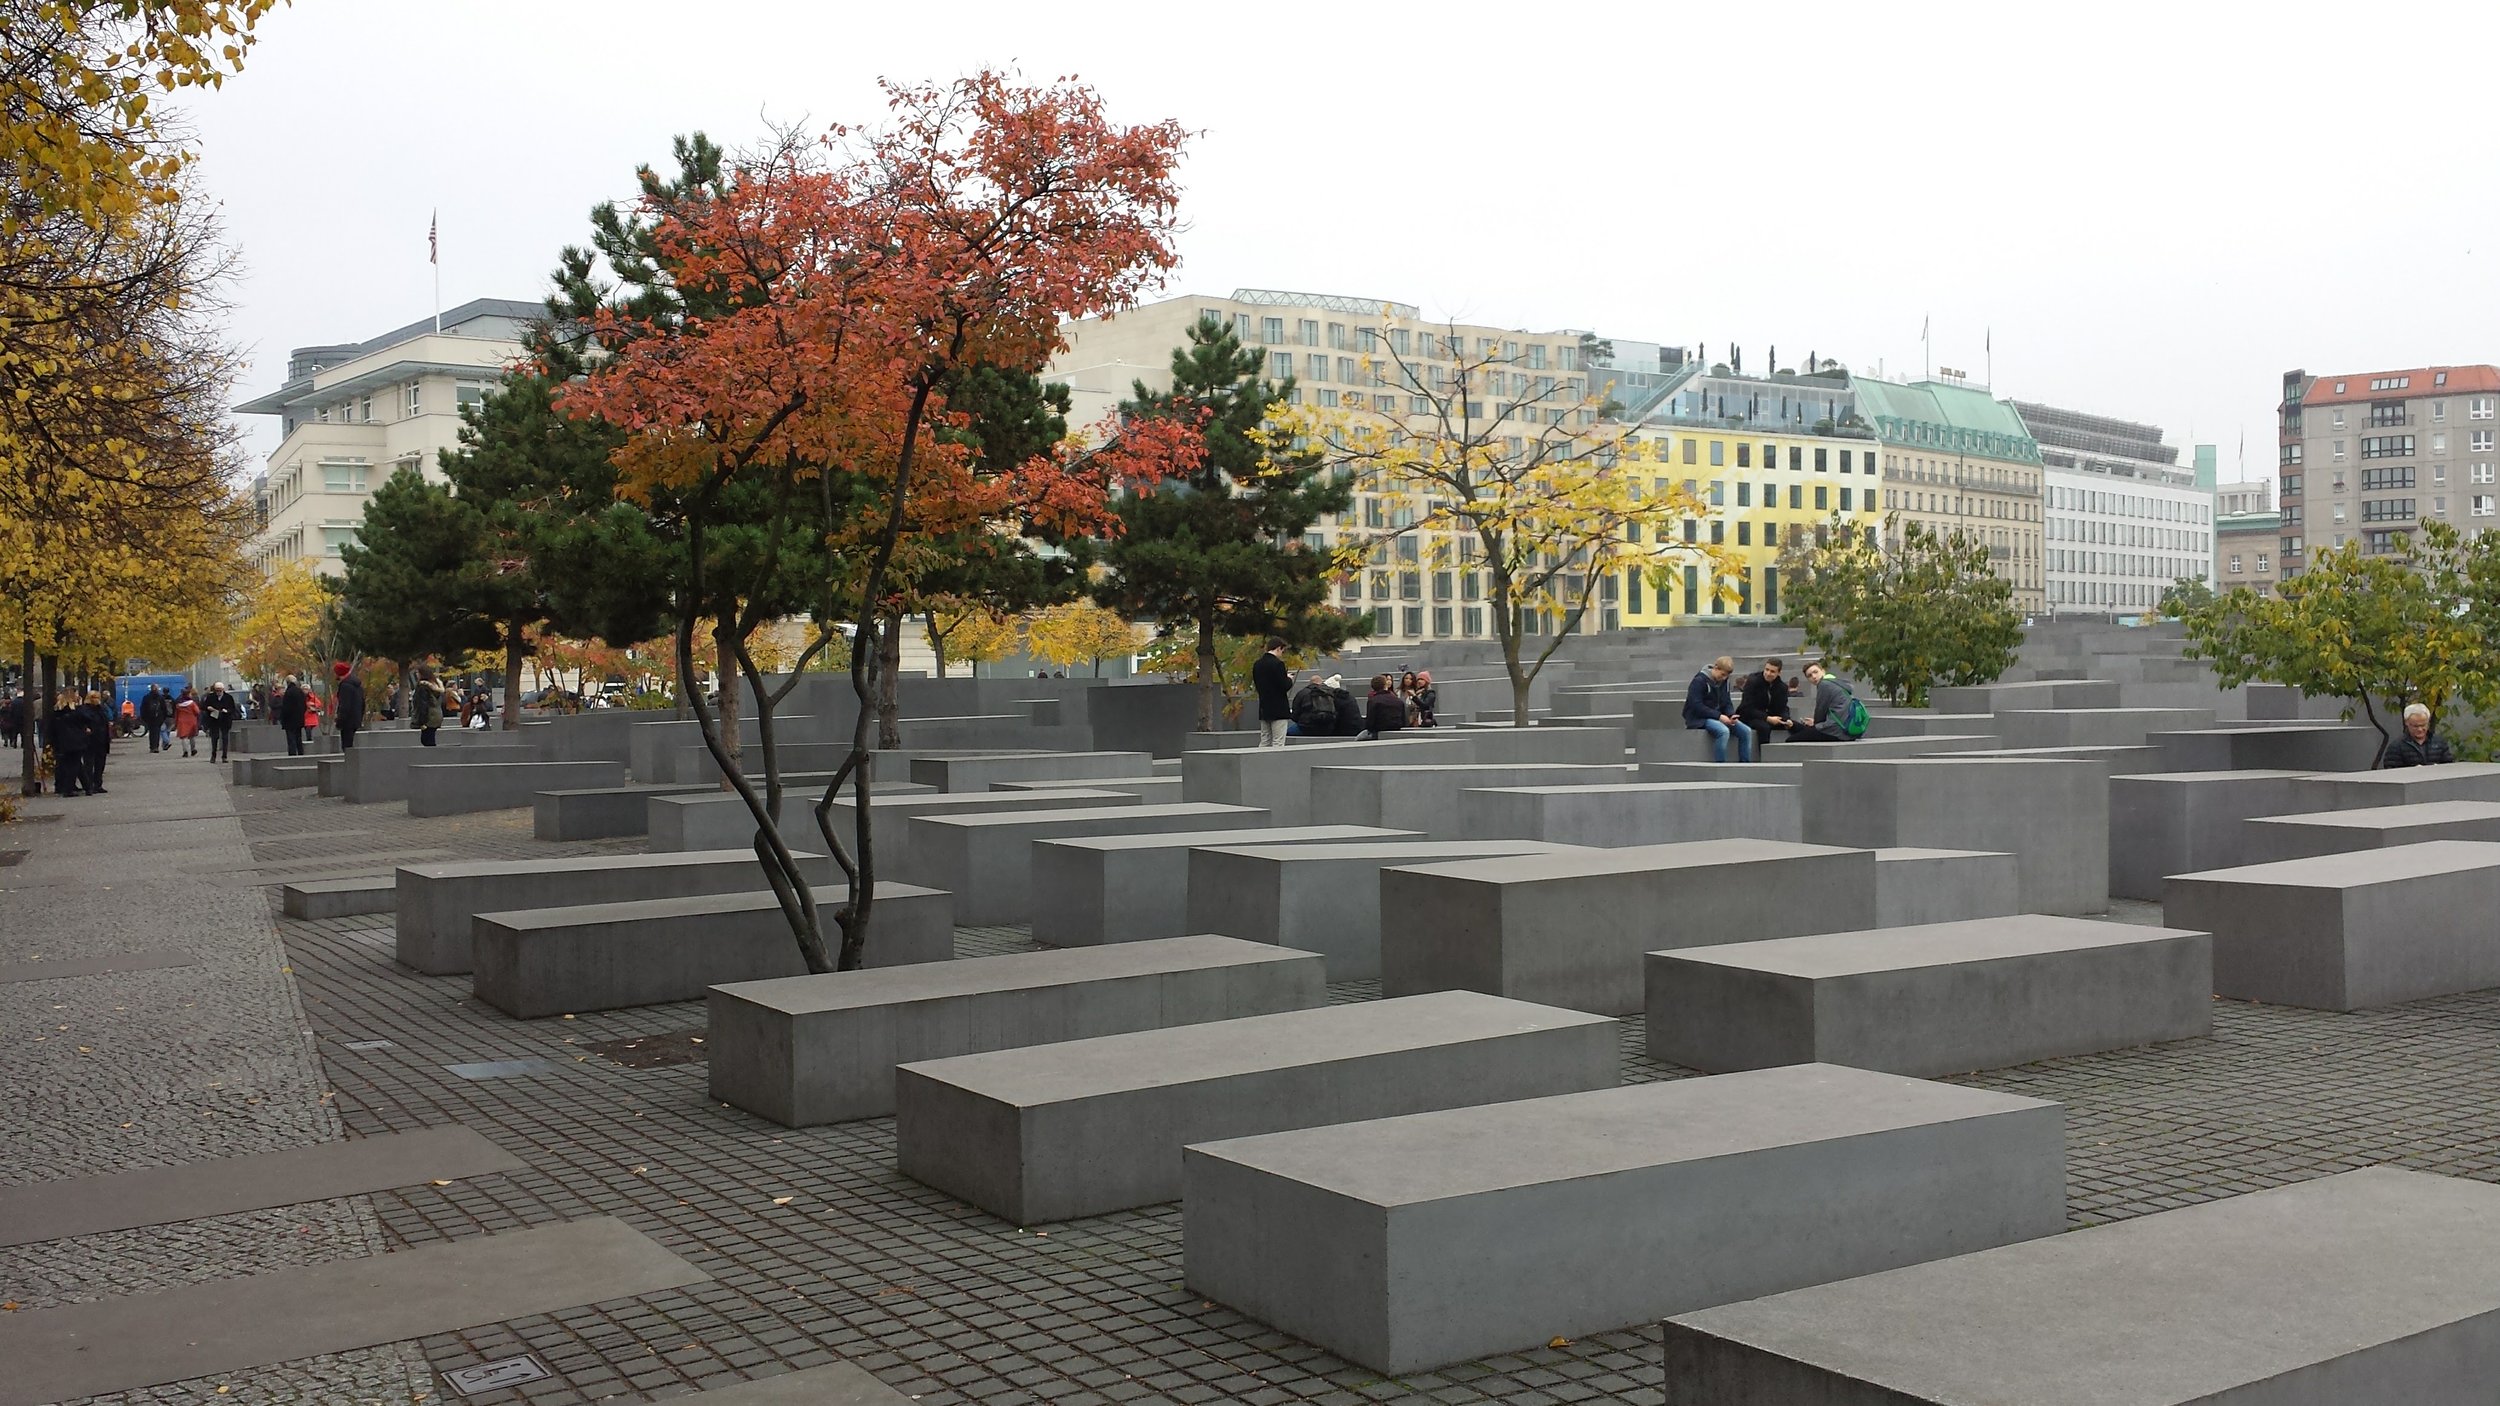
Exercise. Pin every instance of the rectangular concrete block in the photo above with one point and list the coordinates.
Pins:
(380, 775)
(2307, 747)
(2113, 761)
(1425, 798)
(2406, 785)
(1929, 1000)
(600, 812)
(1914, 886)
(1409, 1243)
(1278, 779)
(1322, 898)
(2180, 822)
(2096, 727)
(1087, 1127)
(339, 898)
(822, 1049)
(2052, 816)
(2344, 932)
(718, 820)
(1919, 723)
(953, 774)
(462, 789)
(1775, 772)
(536, 962)
(1568, 928)
(2001, 698)
(1093, 889)
(435, 902)
(986, 860)
(1625, 813)
(2279, 837)
(1163, 788)
(2376, 1285)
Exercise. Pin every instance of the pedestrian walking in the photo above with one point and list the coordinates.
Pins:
(69, 739)
(291, 714)
(218, 714)
(347, 705)
(1707, 708)
(187, 721)
(1274, 683)
(152, 711)
(12, 718)
(99, 741)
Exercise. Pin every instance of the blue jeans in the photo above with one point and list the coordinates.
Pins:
(1719, 734)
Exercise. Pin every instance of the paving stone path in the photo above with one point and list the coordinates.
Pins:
(283, 1033)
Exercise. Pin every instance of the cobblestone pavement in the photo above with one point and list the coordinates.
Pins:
(820, 1250)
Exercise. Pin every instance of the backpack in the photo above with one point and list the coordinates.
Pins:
(1850, 716)
(1314, 711)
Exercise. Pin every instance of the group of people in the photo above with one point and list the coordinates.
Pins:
(1324, 707)
(1762, 703)
(79, 730)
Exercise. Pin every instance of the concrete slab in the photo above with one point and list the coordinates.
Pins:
(340, 898)
(2343, 932)
(2052, 816)
(1163, 788)
(436, 902)
(1407, 1243)
(608, 956)
(719, 821)
(380, 775)
(1764, 773)
(2096, 727)
(822, 1049)
(1322, 898)
(230, 1325)
(2279, 837)
(462, 789)
(1930, 1000)
(1086, 1127)
(601, 812)
(2181, 822)
(954, 774)
(1425, 798)
(1618, 814)
(1914, 886)
(986, 860)
(2409, 785)
(2376, 1285)
(57, 1210)
(2307, 747)
(1568, 928)
(1093, 889)
(1278, 779)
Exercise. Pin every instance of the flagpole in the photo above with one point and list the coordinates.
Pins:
(434, 256)
(1926, 349)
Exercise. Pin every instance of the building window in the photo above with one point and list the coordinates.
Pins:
(2394, 446)
(1844, 498)
(1413, 619)
(2479, 441)
(364, 409)
(468, 394)
(1822, 497)
(1822, 459)
(2235, 564)
(2482, 504)
(1474, 618)
(1718, 453)
(1280, 366)
(2374, 479)
(1309, 328)
(1744, 534)
(342, 477)
(416, 397)
(1272, 330)
(1441, 620)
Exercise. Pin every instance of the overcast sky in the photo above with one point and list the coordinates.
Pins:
(2155, 210)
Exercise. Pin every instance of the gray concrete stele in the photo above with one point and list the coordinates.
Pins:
(2344, 932)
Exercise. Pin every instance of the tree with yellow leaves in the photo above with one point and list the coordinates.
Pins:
(972, 632)
(1080, 632)
(283, 621)
(1509, 476)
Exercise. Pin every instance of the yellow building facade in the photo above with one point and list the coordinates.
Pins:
(1766, 488)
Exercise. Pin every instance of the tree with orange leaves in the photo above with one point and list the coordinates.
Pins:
(817, 301)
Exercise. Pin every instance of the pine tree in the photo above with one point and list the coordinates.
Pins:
(1220, 546)
(401, 598)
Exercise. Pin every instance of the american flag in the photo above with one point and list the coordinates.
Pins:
(433, 246)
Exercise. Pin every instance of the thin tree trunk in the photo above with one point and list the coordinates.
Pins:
(1210, 688)
(513, 643)
(51, 691)
(724, 629)
(937, 645)
(889, 689)
(29, 749)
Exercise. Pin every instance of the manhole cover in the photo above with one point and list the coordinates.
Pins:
(495, 1375)
(653, 1051)
(504, 1068)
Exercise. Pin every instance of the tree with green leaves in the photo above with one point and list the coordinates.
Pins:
(2377, 630)
(1932, 611)
(1216, 548)
(403, 596)
(2186, 594)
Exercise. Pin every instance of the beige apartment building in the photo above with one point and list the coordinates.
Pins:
(1957, 459)
(2370, 456)
(1344, 353)
(352, 414)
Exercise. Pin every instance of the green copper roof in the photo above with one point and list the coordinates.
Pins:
(1943, 416)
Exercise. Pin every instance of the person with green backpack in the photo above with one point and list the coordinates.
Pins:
(1838, 715)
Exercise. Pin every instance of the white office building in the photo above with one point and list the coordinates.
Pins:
(2123, 520)
(354, 413)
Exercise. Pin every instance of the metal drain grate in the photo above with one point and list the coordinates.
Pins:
(495, 1375)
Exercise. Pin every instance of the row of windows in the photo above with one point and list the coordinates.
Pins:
(2119, 594)
(2116, 504)
(2124, 534)
(410, 400)
(1307, 331)
(2401, 446)
(2264, 564)
(2125, 564)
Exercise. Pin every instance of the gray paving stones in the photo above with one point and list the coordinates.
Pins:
(1083, 1127)
(198, 1190)
(62, 968)
(1408, 1243)
(2376, 1285)
(146, 1340)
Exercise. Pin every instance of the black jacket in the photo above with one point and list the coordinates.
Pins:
(2432, 750)
(1349, 713)
(350, 703)
(69, 730)
(1315, 710)
(1705, 701)
(1764, 699)
(219, 710)
(1275, 685)
(152, 708)
(1385, 712)
(291, 706)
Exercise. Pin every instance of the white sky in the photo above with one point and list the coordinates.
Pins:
(2157, 209)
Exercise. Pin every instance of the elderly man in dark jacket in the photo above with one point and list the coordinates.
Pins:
(1707, 709)
(291, 709)
(2418, 746)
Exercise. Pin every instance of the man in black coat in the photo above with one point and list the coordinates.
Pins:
(99, 729)
(1763, 703)
(218, 712)
(1274, 683)
(290, 710)
(152, 716)
(66, 733)
(349, 701)
(2418, 745)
